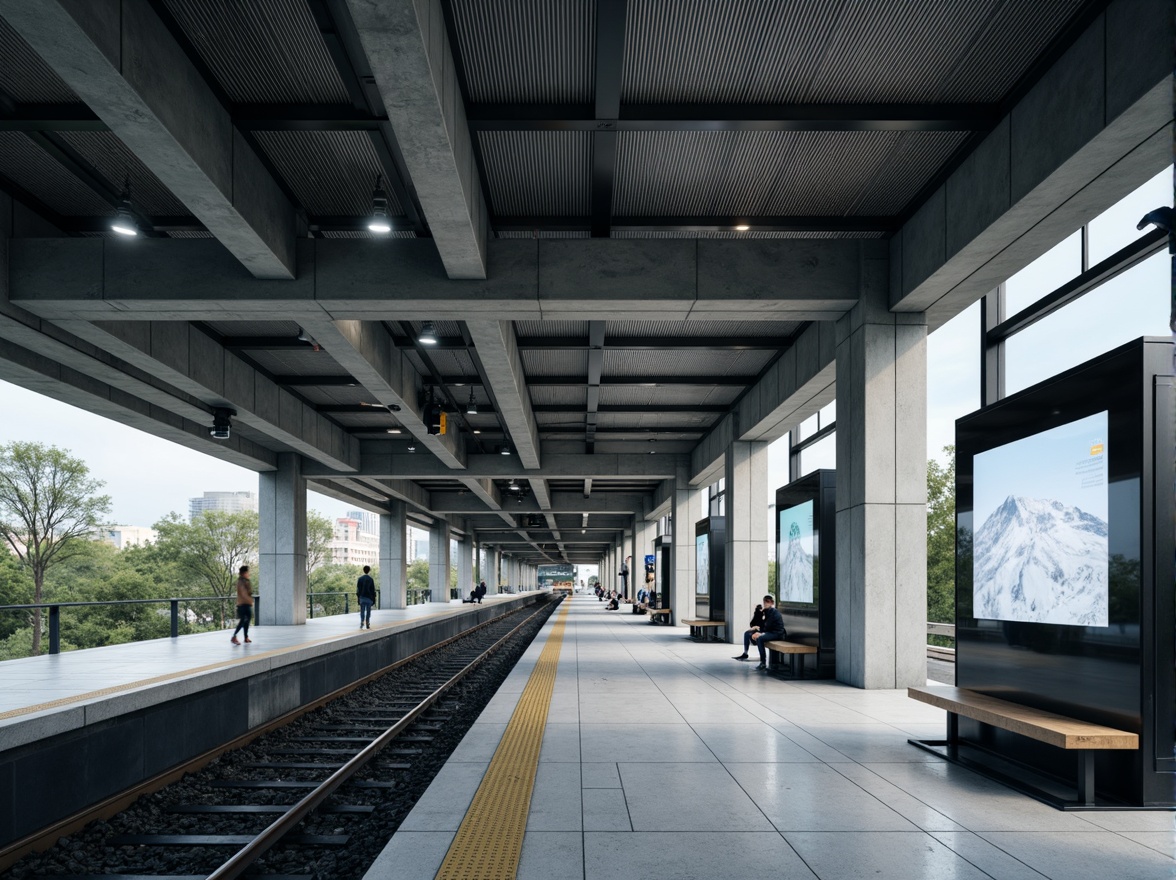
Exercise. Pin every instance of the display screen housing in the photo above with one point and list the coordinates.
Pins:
(702, 565)
(796, 561)
(1040, 550)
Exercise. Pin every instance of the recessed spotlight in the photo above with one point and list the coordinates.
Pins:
(393, 430)
(476, 431)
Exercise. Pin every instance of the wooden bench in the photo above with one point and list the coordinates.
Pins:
(658, 615)
(1047, 727)
(698, 629)
(793, 650)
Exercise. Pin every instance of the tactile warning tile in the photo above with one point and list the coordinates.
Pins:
(488, 843)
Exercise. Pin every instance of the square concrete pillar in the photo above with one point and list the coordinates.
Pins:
(282, 543)
(394, 556)
(746, 559)
(684, 507)
(465, 565)
(439, 537)
(881, 492)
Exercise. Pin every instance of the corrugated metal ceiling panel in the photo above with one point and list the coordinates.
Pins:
(262, 51)
(363, 234)
(24, 77)
(190, 233)
(813, 51)
(538, 173)
(30, 167)
(330, 172)
(575, 329)
(758, 173)
(114, 161)
(555, 363)
(679, 234)
(567, 395)
(527, 51)
(914, 158)
(780, 330)
(656, 420)
(667, 395)
(685, 363)
(276, 329)
(545, 233)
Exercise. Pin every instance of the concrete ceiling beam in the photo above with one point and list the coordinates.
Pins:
(382, 458)
(408, 50)
(559, 503)
(193, 362)
(589, 279)
(125, 64)
(502, 366)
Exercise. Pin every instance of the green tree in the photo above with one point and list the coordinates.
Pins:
(210, 548)
(320, 531)
(16, 588)
(49, 504)
(941, 534)
(417, 577)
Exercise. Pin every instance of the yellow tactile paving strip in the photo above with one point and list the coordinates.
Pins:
(488, 843)
(195, 670)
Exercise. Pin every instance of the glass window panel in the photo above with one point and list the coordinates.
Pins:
(828, 414)
(822, 454)
(953, 376)
(1130, 305)
(807, 428)
(1114, 229)
(1045, 274)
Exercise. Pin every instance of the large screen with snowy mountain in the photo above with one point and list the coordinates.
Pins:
(702, 565)
(1039, 508)
(795, 553)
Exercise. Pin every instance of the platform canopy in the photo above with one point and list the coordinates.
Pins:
(628, 225)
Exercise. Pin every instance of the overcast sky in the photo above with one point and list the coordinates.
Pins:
(148, 477)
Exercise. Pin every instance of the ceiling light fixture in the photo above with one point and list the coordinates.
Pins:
(428, 334)
(412, 447)
(472, 406)
(742, 227)
(504, 450)
(476, 431)
(221, 423)
(379, 221)
(393, 430)
(124, 222)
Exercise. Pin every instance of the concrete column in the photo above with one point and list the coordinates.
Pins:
(394, 556)
(684, 506)
(282, 543)
(881, 491)
(439, 561)
(465, 565)
(745, 562)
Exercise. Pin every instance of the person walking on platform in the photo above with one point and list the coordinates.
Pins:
(244, 605)
(365, 592)
(757, 623)
(773, 629)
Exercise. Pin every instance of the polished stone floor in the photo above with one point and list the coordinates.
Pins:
(663, 758)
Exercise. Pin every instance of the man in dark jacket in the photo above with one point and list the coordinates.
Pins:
(773, 629)
(365, 592)
(757, 623)
(480, 591)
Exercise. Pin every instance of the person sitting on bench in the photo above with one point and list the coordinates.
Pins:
(757, 623)
(773, 629)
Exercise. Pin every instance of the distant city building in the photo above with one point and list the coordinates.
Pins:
(420, 549)
(351, 545)
(224, 502)
(368, 522)
(123, 537)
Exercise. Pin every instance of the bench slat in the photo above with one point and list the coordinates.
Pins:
(1046, 727)
(703, 623)
(781, 647)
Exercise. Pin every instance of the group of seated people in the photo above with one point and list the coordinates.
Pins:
(613, 598)
(767, 625)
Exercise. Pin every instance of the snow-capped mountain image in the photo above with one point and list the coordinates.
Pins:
(796, 569)
(1039, 560)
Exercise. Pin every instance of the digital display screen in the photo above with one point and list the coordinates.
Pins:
(794, 555)
(702, 565)
(1040, 550)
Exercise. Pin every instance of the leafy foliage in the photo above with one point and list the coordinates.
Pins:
(49, 505)
(941, 540)
(208, 551)
(319, 533)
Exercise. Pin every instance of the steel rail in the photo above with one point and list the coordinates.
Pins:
(272, 835)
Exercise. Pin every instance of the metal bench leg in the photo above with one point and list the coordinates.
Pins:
(953, 734)
(1086, 778)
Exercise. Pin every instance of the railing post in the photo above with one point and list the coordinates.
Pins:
(310, 610)
(54, 629)
(346, 603)
(175, 618)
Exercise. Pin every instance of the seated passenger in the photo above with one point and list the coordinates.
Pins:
(614, 603)
(773, 629)
(757, 622)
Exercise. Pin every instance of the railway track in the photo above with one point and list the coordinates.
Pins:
(315, 799)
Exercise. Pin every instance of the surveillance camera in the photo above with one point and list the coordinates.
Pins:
(221, 423)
